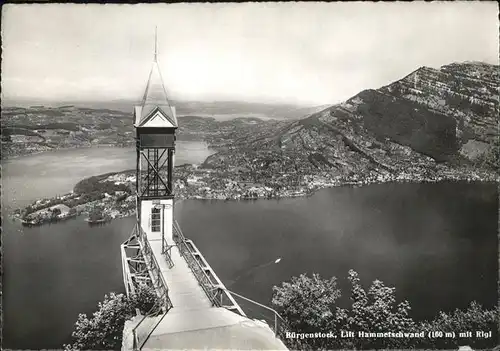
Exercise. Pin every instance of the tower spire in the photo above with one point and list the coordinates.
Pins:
(155, 95)
(156, 45)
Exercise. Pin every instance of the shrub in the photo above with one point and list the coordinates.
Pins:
(96, 214)
(305, 303)
(55, 212)
(475, 318)
(103, 331)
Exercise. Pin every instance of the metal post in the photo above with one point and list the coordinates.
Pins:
(158, 278)
(163, 229)
(275, 325)
(137, 170)
(170, 170)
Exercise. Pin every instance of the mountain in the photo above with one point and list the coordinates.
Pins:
(430, 121)
(431, 117)
(463, 96)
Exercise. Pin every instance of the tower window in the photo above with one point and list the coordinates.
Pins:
(155, 220)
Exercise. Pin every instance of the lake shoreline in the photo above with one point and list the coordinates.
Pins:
(111, 206)
(305, 194)
(78, 147)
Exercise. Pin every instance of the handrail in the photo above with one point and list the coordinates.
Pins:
(177, 227)
(216, 282)
(150, 313)
(211, 288)
(195, 266)
(166, 251)
(147, 314)
(126, 273)
(160, 281)
(276, 314)
(254, 302)
(163, 303)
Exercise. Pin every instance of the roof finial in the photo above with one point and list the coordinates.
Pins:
(156, 44)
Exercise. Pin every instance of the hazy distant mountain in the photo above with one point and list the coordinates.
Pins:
(34, 126)
(217, 109)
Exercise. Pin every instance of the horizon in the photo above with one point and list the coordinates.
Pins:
(281, 61)
(9, 102)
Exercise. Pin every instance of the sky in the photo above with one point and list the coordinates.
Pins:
(301, 53)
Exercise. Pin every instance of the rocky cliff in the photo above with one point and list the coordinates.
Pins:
(429, 118)
(466, 92)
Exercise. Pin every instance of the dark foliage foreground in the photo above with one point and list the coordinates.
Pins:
(308, 305)
(103, 330)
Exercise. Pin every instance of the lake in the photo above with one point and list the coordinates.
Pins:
(51, 273)
(56, 172)
(436, 243)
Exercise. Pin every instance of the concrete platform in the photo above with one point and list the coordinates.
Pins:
(213, 328)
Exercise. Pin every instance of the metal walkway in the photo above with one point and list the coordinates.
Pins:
(183, 289)
(200, 312)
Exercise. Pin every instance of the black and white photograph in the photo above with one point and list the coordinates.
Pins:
(250, 176)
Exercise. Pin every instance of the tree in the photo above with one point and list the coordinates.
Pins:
(55, 212)
(96, 214)
(27, 211)
(306, 304)
(491, 158)
(475, 318)
(121, 197)
(494, 156)
(103, 331)
(6, 134)
(309, 305)
(376, 311)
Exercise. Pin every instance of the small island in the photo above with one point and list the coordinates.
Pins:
(97, 216)
(99, 199)
(49, 214)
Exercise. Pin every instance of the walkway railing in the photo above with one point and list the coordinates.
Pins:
(166, 251)
(127, 276)
(155, 272)
(279, 322)
(214, 288)
(148, 323)
(194, 264)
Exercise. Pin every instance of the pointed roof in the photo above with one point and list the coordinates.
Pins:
(155, 98)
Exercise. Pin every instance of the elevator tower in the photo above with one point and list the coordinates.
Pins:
(155, 124)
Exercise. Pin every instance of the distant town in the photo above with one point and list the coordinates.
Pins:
(105, 197)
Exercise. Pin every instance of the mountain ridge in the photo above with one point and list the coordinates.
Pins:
(208, 108)
(429, 117)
